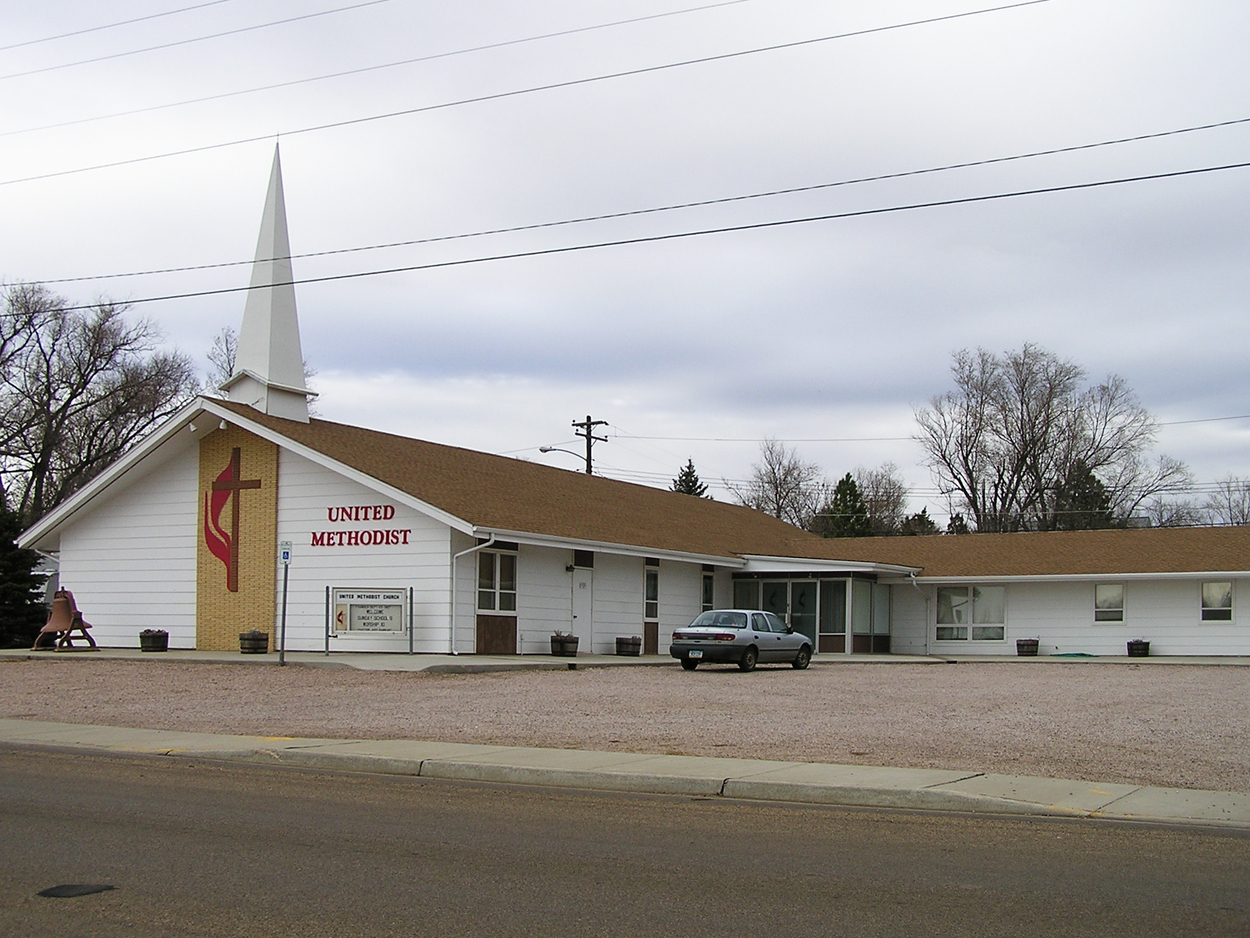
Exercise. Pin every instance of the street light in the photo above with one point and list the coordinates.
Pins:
(556, 449)
(586, 430)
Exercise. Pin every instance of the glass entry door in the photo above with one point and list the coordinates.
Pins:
(803, 608)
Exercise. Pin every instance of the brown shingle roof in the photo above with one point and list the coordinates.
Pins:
(496, 492)
(1057, 553)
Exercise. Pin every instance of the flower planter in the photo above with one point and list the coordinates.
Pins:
(1138, 649)
(1026, 647)
(629, 646)
(564, 646)
(154, 640)
(254, 642)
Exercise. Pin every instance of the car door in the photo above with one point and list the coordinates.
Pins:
(770, 643)
(788, 641)
(762, 636)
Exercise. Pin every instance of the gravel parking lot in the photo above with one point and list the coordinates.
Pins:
(1184, 726)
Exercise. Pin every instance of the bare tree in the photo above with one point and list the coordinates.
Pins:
(783, 485)
(1230, 502)
(1003, 444)
(79, 390)
(221, 358)
(885, 496)
(1165, 511)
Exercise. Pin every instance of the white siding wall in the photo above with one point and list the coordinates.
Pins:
(306, 491)
(130, 560)
(466, 594)
(1164, 612)
(544, 596)
(907, 619)
(620, 584)
(681, 597)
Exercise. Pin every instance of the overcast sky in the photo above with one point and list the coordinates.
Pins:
(825, 334)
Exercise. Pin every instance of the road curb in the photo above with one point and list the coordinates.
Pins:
(644, 773)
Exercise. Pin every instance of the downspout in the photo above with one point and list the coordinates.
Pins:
(451, 632)
(926, 611)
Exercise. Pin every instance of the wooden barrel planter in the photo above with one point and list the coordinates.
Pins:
(564, 646)
(629, 645)
(1026, 647)
(154, 640)
(254, 642)
(1138, 649)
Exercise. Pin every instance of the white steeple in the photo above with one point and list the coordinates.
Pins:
(269, 364)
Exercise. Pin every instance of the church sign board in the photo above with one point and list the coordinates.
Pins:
(373, 610)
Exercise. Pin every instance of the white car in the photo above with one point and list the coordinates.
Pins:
(742, 637)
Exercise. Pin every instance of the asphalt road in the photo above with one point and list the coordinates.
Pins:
(206, 849)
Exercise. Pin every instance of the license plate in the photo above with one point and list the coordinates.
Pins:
(694, 654)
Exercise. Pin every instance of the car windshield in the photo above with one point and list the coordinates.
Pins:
(721, 620)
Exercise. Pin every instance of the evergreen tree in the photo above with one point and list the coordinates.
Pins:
(21, 604)
(844, 515)
(1082, 502)
(919, 523)
(687, 482)
(957, 525)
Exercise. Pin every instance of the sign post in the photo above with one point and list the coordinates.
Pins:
(284, 554)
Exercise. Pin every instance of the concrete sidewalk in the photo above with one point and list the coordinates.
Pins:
(434, 664)
(796, 782)
(469, 664)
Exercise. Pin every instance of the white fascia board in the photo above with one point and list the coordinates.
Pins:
(145, 447)
(606, 547)
(767, 564)
(1083, 577)
(244, 373)
(321, 459)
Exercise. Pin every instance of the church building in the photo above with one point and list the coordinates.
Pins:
(245, 512)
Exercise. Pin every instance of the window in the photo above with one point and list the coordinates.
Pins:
(1109, 602)
(709, 591)
(496, 581)
(976, 612)
(746, 594)
(775, 623)
(651, 591)
(721, 620)
(1217, 602)
(584, 558)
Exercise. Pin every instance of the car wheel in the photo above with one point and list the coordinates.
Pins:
(689, 663)
(802, 659)
(749, 657)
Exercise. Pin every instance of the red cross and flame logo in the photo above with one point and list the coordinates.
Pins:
(222, 543)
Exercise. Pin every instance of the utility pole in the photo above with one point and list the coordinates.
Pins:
(586, 429)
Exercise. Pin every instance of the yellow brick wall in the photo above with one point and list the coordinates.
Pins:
(220, 614)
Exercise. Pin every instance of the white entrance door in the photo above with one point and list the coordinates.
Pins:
(583, 603)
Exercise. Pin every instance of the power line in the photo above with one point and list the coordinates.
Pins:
(374, 68)
(96, 29)
(678, 235)
(497, 96)
(607, 216)
(1177, 423)
(870, 439)
(755, 439)
(193, 39)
